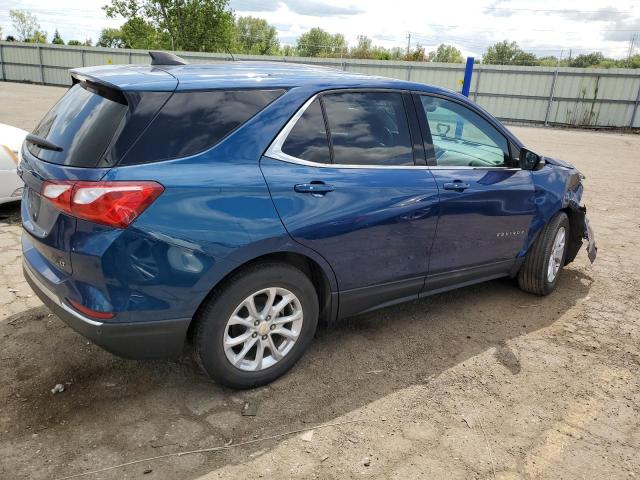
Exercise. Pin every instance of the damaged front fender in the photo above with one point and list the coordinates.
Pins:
(558, 187)
(580, 229)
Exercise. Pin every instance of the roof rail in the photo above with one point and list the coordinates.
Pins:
(166, 58)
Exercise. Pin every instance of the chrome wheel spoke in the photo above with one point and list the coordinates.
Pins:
(236, 320)
(285, 332)
(289, 318)
(271, 297)
(259, 355)
(235, 341)
(243, 353)
(275, 353)
(250, 303)
(276, 309)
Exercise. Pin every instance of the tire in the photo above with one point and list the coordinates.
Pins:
(534, 274)
(216, 330)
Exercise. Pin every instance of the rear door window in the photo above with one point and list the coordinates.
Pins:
(368, 128)
(83, 123)
(194, 121)
(308, 138)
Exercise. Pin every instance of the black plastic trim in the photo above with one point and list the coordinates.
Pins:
(360, 300)
(463, 276)
(134, 340)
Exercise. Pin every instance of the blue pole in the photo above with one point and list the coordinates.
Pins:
(466, 86)
(468, 71)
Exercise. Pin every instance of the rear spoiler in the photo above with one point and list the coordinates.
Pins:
(103, 89)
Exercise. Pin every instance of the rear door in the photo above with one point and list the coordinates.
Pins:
(344, 180)
(486, 200)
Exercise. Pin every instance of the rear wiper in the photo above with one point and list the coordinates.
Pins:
(43, 142)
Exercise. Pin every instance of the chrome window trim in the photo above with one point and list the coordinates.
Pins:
(275, 151)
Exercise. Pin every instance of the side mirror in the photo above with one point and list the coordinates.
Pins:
(528, 159)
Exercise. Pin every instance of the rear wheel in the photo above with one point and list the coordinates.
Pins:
(257, 327)
(545, 259)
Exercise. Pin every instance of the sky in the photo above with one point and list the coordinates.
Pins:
(544, 27)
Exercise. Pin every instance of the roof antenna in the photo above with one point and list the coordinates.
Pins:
(166, 58)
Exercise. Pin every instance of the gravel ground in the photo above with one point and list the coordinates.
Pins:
(483, 382)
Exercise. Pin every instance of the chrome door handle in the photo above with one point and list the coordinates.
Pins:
(458, 186)
(319, 188)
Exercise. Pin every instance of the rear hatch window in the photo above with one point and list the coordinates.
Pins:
(83, 123)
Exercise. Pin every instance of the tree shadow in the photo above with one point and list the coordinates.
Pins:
(116, 410)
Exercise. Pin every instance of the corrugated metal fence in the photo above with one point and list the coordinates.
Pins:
(547, 95)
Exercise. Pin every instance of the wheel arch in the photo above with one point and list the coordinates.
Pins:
(321, 276)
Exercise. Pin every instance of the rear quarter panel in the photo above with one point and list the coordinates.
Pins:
(215, 214)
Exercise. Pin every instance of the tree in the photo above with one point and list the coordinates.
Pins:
(587, 60)
(364, 48)
(27, 27)
(288, 51)
(255, 36)
(505, 53)
(57, 39)
(319, 43)
(632, 62)
(111, 38)
(138, 33)
(74, 42)
(198, 25)
(415, 55)
(445, 54)
(38, 37)
(551, 61)
(396, 53)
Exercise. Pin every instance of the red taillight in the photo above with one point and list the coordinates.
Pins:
(116, 204)
(90, 313)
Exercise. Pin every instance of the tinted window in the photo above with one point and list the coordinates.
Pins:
(308, 138)
(191, 122)
(368, 128)
(83, 123)
(461, 137)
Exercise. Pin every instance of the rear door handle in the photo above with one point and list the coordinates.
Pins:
(457, 185)
(319, 188)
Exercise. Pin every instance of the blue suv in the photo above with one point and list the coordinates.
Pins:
(231, 207)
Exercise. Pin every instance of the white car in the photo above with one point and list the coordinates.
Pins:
(11, 139)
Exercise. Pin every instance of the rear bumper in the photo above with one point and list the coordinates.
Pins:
(136, 340)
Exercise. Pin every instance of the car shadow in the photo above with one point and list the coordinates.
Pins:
(10, 213)
(115, 410)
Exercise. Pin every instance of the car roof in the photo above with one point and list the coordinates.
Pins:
(239, 74)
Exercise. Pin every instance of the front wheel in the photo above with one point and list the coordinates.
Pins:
(257, 327)
(545, 258)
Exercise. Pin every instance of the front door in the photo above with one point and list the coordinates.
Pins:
(486, 202)
(351, 192)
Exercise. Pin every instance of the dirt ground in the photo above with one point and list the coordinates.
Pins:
(484, 382)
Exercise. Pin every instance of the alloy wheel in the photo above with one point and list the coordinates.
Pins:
(557, 252)
(263, 329)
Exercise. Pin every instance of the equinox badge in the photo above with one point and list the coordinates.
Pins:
(510, 234)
